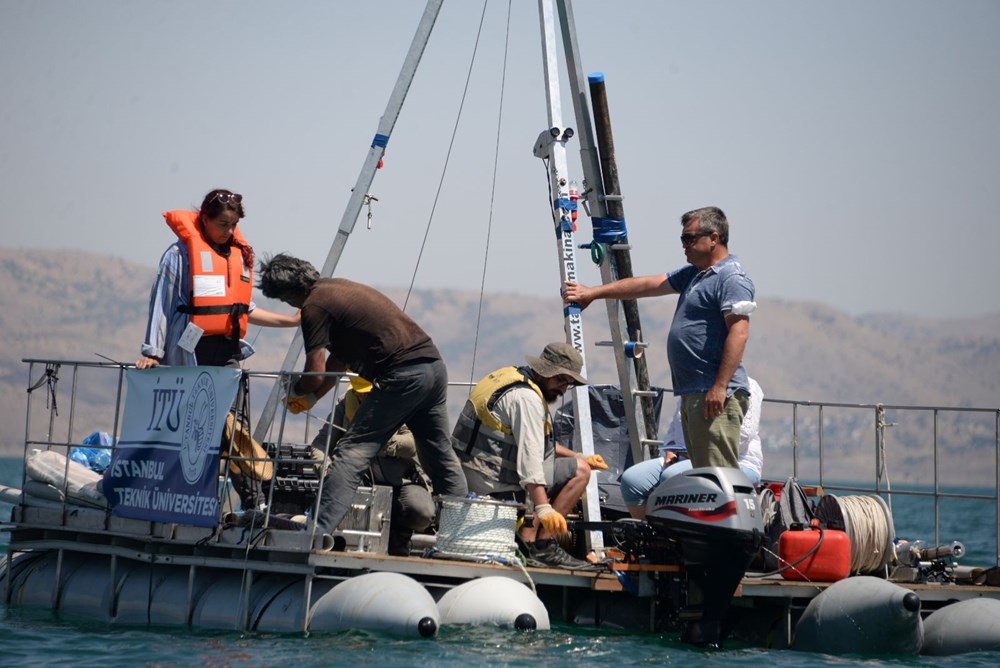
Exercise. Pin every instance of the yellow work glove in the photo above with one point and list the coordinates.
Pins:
(596, 462)
(552, 520)
(298, 403)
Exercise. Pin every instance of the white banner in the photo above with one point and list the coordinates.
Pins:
(166, 465)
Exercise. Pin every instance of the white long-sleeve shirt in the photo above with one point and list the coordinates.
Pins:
(751, 454)
(526, 415)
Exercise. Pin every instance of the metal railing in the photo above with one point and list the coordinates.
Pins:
(820, 434)
(975, 429)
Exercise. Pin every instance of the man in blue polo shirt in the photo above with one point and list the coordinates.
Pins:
(707, 337)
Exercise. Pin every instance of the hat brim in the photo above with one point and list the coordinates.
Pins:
(549, 370)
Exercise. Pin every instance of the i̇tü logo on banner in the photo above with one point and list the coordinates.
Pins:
(165, 467)
(199, 420)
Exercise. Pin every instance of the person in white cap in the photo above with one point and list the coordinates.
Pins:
(505, 441)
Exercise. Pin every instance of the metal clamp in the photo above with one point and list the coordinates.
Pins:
(633, 349)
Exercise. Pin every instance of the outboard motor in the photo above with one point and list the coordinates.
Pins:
(711, 514)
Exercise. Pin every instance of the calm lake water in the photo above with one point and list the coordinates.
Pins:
(32, 638)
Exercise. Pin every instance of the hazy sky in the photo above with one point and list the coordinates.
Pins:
(854, 145)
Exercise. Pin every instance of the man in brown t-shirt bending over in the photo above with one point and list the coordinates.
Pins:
(363, 330)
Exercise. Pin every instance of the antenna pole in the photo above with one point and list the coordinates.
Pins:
(551, 147)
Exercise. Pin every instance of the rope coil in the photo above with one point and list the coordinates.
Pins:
(476, 528)
(868, 524)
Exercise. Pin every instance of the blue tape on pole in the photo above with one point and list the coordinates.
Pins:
(595, 77)
(566, 204)
(380, 140)
(609, 230)
(571, 309)
(566, 226)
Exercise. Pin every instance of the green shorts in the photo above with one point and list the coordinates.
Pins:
(714, 442)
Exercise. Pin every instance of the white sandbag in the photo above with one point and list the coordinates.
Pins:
(79, 483)
(36, 489)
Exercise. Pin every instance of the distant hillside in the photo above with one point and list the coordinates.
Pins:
(71, 305)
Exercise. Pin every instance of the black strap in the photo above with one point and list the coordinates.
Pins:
(221, 309)
(473, 437)
(50, 379)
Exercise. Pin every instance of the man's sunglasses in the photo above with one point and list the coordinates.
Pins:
(688, 239)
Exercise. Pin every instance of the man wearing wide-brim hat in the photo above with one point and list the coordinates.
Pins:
(505, 441)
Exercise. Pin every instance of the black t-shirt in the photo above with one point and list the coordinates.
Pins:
(362, 328)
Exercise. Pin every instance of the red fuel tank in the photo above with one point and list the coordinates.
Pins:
(829, 563)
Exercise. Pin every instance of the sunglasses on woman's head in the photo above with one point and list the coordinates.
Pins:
(225, 198)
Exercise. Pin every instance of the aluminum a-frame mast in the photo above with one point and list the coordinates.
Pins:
(360, 192)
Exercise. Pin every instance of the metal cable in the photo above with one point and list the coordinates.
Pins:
(447, 159)
(493, 190)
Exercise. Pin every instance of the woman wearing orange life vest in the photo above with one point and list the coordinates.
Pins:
(200, 303)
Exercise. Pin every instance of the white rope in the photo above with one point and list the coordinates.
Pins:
(476, 528)
(869, 529)
(883, 472)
